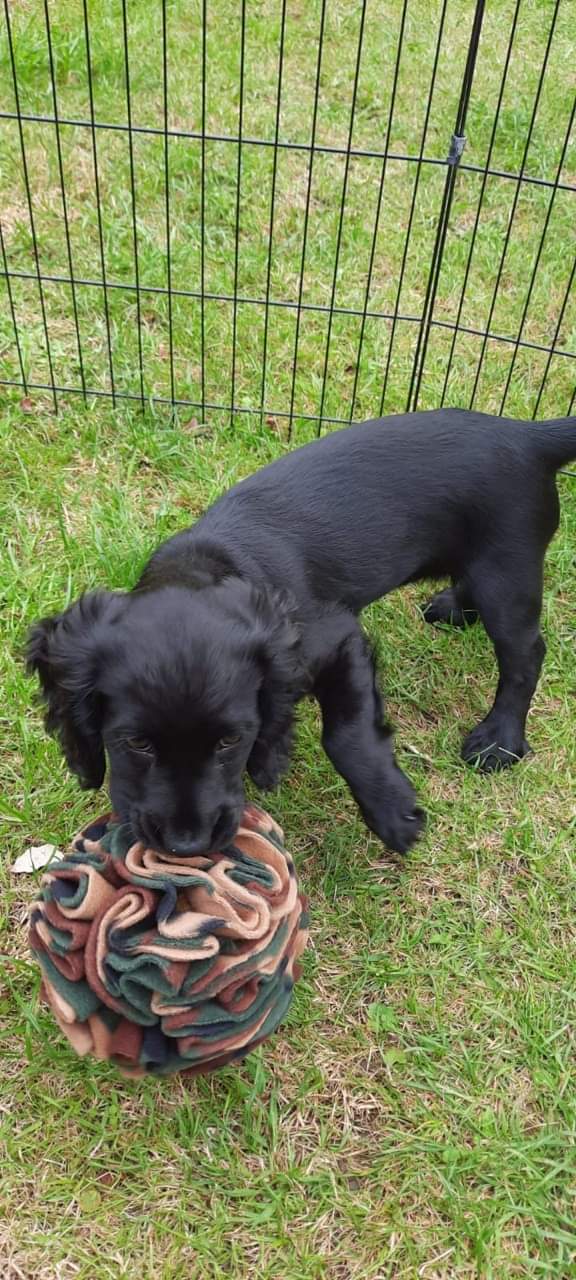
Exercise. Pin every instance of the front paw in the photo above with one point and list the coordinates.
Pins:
(445, 607)
(267, 766)
(399, 821)
(489, 749)
(402, 830)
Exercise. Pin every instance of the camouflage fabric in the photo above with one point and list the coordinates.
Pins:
(168, 964)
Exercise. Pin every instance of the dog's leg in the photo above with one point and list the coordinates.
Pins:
(509, 600)
(454, 606)
(271, 753)
(359, 743)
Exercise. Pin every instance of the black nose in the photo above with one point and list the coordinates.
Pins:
(186, 846)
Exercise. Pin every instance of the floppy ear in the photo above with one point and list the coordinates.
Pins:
(279, 639)
(283, 682)
(62, 651)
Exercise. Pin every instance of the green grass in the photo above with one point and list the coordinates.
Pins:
(420, 1102)
(416, 1116)
(259, 108)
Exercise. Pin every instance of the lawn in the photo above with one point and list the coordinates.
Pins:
(416, 1115)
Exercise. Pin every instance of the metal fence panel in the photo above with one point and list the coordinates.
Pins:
(312, 212)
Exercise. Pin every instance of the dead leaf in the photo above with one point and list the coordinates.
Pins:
(196, 428)
(275, 424)
(420, 755)
(88, 1199)
(35, 857)
(27, 405)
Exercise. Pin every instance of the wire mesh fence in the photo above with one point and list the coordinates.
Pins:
(309, 210)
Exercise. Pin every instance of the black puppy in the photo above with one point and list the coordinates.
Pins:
(192, 678)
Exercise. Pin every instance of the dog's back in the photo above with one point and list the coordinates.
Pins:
(194, 676)
(397, 499)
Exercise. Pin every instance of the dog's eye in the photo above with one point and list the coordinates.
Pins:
(231, 740)
(141, 746)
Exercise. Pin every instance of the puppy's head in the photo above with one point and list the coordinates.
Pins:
(175, 687)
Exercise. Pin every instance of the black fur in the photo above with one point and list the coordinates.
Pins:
(193, 677)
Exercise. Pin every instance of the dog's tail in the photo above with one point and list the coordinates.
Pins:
(556, 441)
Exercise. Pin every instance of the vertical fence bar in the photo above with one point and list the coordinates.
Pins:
(13, 311)
(514, 203)
(456, 149)
(29, 202)
(203, 217)
(133, 196)
(536, 262)
(307, 214)
(379, 202)
(559, 321)
(238, 194)
(413, 203)
(425, 322)
(272, 205)
(481, 198)
(63, 194)
(342, 207)
(98, 203)
(167, 197)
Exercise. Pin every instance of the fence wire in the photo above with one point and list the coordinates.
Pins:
(308, 213)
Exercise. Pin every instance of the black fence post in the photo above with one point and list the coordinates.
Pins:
(457, 144)
(34, 287)
(93, 128)
(515, 203)
(29, 203)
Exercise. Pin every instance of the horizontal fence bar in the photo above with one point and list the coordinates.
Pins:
(317, 308)
(188, 404)
(196, 135)
(191, 404)
(197, 295)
